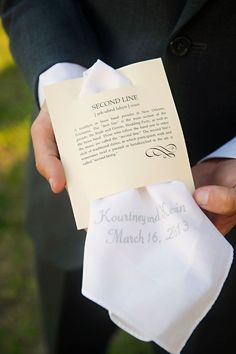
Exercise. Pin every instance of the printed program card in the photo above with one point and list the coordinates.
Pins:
(118, 139)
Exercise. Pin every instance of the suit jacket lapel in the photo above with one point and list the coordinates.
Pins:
(191, 8)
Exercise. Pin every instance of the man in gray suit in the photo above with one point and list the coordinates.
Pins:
(196, 40)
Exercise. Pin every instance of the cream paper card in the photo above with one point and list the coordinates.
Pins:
(118, 139)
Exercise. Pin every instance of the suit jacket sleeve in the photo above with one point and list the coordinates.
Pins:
(44, 32)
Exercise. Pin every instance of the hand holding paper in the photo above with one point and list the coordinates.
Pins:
(217, 195)
(210, 172)
(46, 152)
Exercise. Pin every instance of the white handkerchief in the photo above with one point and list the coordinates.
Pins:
(101, 77)
(152, 258)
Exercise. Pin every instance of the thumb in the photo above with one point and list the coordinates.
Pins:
(217, 199)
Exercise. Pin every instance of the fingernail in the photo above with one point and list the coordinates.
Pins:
(202, 197)
(51, 183)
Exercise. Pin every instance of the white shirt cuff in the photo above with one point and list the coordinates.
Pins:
(58, 72)
(227, 150)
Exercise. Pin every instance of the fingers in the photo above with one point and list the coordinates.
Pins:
(224, 223)
(217, 199)
(204, 172)
(46, 153)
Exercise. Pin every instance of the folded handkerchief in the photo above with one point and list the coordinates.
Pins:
(152, 258)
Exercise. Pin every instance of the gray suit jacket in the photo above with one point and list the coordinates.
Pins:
(197, 45)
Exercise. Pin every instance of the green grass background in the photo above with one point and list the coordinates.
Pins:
(20, 331)
(20, 325)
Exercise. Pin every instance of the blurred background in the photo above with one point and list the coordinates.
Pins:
(20, 322)
(19, 311)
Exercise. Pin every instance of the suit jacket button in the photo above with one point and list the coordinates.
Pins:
(180, 46)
